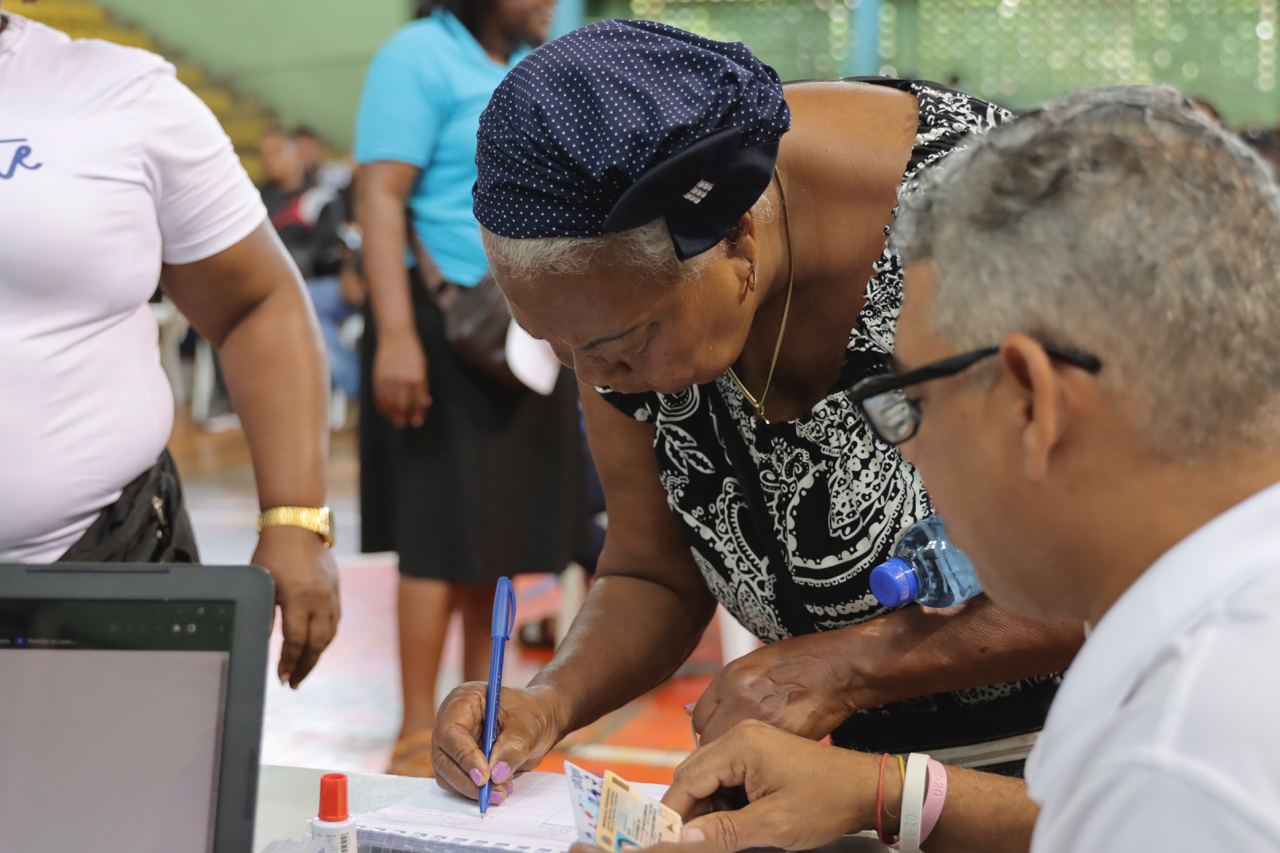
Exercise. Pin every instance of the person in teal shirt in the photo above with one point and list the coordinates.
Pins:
(423, 96)
(464, 479)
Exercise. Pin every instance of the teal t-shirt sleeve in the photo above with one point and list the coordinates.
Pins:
(401, 110)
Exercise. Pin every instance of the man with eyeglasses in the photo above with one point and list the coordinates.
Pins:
(1088, 379)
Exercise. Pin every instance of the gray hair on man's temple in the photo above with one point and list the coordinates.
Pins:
(1121, 222)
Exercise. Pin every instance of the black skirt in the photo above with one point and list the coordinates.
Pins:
(490, 485)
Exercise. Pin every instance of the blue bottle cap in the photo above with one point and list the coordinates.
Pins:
(895, 583)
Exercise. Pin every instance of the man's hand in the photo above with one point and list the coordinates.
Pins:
(306, 580)
(792, 684)
(800, 794)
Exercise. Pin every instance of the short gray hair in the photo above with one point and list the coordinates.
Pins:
(1122, 222)
(647, 249)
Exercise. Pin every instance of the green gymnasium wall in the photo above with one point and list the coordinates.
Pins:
(1018, 52)
(1025, 52)
(802, 39)
(304, 58)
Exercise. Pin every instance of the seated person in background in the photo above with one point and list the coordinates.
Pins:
(1106, 447)
(319, 164)
(310, 218)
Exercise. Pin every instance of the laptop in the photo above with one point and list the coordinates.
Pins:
(131, 706)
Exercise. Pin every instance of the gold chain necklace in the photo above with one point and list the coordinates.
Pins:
(758, 403)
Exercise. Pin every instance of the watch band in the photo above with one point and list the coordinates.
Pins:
(319, 520)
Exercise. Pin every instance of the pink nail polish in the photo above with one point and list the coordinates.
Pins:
(688, 709)
(477, 777)
(501, 772)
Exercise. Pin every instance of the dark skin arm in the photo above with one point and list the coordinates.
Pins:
(918, 650)
(650, 604)
(647, 608)
(399, 366)
(251, 305)
(809, 685)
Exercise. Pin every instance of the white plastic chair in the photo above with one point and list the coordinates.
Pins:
(203, 379)
(172, 327)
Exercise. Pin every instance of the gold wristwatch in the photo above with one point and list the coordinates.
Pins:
(319, 520)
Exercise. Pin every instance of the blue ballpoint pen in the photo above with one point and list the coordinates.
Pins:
(504, 619)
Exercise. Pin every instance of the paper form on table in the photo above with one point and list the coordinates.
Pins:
(537, 818)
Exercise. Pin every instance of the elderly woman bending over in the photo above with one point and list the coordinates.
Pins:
(707, 250)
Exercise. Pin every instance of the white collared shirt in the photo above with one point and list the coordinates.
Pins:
(1165, 735)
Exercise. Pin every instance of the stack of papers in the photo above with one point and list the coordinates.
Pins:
(537, 818)
(295, 845)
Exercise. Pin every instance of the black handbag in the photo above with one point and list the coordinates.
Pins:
(476, 320)
(148, 523)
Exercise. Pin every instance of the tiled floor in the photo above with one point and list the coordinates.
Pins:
(345, 715)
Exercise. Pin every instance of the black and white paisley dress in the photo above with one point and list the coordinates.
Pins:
(785, 521)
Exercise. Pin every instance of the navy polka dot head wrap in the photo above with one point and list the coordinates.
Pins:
(623, 122)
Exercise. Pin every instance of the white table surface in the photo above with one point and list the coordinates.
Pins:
(288, 798)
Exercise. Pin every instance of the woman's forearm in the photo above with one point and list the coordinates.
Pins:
(278, 381)
(385, 234)
(630, 635)
(915, 652)
(249, 302)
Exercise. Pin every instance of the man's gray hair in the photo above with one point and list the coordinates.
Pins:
(646, 250)
(1121, 222)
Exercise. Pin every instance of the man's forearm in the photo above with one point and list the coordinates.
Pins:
(915, 652)
(983, 813)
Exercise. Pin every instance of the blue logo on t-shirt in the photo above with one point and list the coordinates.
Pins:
(17, 157)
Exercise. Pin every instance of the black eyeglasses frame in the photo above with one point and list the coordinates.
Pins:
(886, 383)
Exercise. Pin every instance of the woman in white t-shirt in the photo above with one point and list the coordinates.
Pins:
(114, 176)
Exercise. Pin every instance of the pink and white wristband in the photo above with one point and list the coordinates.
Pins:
(924, 791)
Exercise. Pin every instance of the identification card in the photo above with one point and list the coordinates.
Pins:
(628, 818)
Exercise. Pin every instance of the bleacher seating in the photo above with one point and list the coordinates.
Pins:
(243, 118)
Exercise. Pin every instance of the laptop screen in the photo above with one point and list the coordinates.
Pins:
(111, 723)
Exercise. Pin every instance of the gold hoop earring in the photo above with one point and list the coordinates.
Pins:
(749, 285)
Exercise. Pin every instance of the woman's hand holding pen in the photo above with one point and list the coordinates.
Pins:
(800, 794)
(529, 723)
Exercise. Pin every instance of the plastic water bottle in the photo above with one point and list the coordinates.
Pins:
(925, 568)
